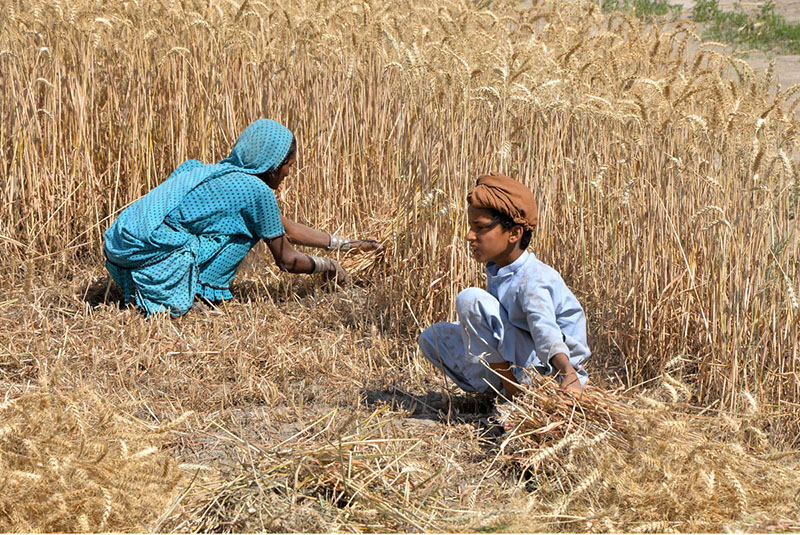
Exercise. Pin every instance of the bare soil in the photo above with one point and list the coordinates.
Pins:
(787, 66)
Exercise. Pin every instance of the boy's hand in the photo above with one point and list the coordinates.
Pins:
(510, 384)
(571, 384)
(569, 377)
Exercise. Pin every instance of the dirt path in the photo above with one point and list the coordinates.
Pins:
(788, 8)
(787, 67)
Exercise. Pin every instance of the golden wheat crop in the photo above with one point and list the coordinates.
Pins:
(666, 170)
(611, 463)
(74, 464)
(668, 180)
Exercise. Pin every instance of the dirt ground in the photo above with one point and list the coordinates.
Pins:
(788, 8)
(787, 67)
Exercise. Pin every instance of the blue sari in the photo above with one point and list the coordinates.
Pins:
(188, 235)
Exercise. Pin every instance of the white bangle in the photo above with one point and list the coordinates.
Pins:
(339, 243)
(322, 264)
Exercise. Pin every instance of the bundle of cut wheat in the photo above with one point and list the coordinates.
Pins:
(72, 464)
(647, 465)
(371, 475)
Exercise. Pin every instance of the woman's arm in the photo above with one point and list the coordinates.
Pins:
(289, 259)
(300, 234)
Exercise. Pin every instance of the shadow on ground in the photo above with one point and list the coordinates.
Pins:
(102, 291)
(445, 408)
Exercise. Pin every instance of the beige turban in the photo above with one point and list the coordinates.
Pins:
(507, 196)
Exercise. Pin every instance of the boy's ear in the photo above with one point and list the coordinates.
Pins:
(516, 234)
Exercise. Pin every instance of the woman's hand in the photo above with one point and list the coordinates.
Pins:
(366, 245)
(337, 274)
(300, 234)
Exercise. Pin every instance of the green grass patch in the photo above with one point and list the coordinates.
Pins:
(643, 9)
(764, 29)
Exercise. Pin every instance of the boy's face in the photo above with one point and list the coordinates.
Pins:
(489, 241)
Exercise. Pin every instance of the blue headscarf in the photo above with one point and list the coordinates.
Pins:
(132, 241)
(261, 147)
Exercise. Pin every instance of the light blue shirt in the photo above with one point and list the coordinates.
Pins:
(536, 300)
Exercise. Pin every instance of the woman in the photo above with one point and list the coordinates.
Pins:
(188, 235)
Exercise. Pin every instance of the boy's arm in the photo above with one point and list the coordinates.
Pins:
(569, 382)
(551, 349)
(510, 384)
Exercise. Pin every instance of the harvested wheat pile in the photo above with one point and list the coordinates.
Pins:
(607, 462)
(73, 464)
(363, 471)
(669, 181)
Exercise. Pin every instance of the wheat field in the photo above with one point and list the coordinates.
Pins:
(667, 175)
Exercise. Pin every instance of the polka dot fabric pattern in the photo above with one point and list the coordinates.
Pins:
(260, 148)
(188, 235)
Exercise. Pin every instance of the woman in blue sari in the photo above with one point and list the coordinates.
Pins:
(186, 237)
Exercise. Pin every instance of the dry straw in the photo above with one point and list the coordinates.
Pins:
(644, 465)
(367, 473)
(669, 192)
(74, 464)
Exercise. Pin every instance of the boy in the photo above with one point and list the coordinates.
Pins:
(527, 318)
